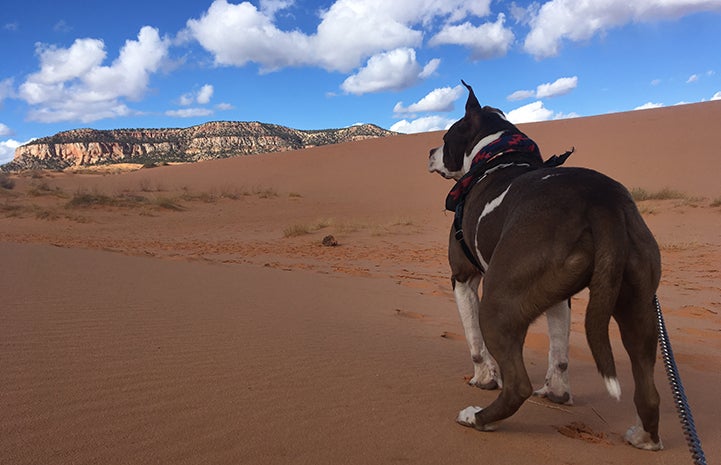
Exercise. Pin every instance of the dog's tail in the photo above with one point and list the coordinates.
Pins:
(609, 262)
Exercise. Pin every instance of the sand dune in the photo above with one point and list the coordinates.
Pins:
(191, 314)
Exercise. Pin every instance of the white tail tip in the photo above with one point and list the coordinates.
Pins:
(613, 387)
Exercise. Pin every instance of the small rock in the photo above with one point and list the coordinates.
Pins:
(329, 241)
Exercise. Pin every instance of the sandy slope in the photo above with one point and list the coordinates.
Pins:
(191, 315)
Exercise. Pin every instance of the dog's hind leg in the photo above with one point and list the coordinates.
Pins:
(556, 387)
(485, 373)
(638, 333)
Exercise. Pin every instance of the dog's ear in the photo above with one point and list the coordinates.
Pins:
(472, 104)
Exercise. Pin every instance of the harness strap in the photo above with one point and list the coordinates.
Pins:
(457, 196)
(458, 227)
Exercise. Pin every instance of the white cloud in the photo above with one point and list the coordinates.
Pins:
(349, 31)
(430, 68)
(424, 124)
(4, 130)
(560, 86)
(394, 70)
(186, 99)
(488, 40)
(271, 7)
(441, 99)
(691, 79)
(189, 112)
(72, 83)
(559, 20)
(224, 106)
(649, 105)
(7, 150)
(202, 96)
(535, 111)
(521, 95)
(6, 89)
(716, 96)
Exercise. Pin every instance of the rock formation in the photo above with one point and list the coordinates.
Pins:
(222, 139)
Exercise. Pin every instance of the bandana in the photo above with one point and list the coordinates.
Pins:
(516, 143)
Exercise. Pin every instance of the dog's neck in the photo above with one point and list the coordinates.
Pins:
(470, 159)
(489, 152)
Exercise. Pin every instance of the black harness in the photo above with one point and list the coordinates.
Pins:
(508, 150)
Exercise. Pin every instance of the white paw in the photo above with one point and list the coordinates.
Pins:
(467, 416)
(638, 437)
(546, 391)
(485, 376)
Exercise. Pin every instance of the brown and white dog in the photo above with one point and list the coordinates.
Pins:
(538, 234)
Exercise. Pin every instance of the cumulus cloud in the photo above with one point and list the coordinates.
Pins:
(202, 96)
(441, 99)
(521, 95)
(6, 89)
(559, 20)
(7, 150)
(72, 83)
(349, 31)
(488, 40)
(189, 112)
(535, 111)
(424, 124)
(560, 86)
(649, 105)
(394, 70)
(716, 96)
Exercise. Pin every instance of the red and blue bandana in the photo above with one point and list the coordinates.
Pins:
(516, 143)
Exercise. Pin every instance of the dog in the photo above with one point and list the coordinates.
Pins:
(536, 234)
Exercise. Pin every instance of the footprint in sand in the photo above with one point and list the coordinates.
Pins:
(579, 430)
(408, 314)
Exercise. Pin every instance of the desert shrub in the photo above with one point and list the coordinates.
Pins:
(6, 182)
(666, 193)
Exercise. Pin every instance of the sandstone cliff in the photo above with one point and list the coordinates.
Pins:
(83, 147)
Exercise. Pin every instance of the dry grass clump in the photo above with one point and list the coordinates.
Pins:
(640, 194)
(716, 202)
(298, 229)
(6, 182)
(85, 199)
(43, 188)
(226, 192)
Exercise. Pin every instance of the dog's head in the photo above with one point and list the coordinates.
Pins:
(453, 159)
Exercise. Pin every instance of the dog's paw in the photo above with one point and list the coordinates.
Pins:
(488, 385)
(467, 416)
(546, 391)
(641, 439)
(485, 376)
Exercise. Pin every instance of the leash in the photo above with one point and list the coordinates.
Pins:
(679, 396)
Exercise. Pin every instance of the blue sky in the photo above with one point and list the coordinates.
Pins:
(334, 63)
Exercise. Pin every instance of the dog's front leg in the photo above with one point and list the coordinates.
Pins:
(557, 388)
(485, 371)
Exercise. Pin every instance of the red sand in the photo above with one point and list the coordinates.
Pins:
(224, 332)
